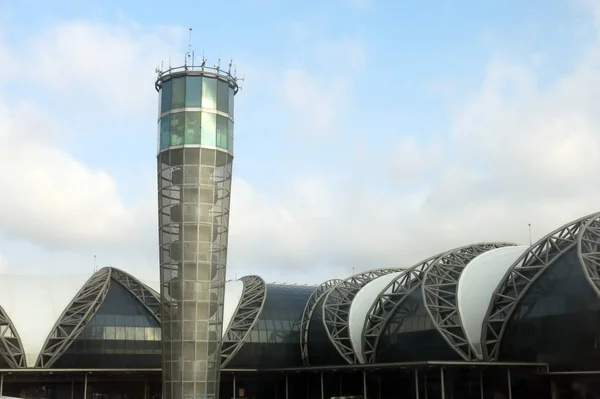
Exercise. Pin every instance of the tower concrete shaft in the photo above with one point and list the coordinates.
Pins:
(195, 158)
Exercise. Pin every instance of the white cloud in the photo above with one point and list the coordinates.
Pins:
(114, 63)
(52, 198)
(318, 92)
(519, 152)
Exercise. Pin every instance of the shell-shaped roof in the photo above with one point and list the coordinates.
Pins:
(34, 304)
(37, 307)
(476, 287)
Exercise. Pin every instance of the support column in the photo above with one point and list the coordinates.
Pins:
(145, 388)
(378, 386)
(1, 384)
(307, 388)
(364, 384)
(340, 384)
(426, 394)
(554, 393)
(509, 384)
(481, 383)
(286, 387)
(72, 388)
(322, 388)
(416, 384)
(85, 386)
(443, 386)
(234, 388)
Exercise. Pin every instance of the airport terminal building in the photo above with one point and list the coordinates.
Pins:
(486, 320)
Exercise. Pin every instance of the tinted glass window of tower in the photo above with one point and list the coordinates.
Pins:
(196, 110)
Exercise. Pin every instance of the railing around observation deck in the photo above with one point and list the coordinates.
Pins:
(202, 69)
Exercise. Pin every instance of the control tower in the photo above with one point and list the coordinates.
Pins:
(195, 155)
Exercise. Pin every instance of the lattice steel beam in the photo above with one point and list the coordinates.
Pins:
(439, 288)
(336, 310)
(11, 347)
(244, 318)
(391, 297)
(520, 277)
(75, 318)
(148, 298)
(307, 314)
(588, 251)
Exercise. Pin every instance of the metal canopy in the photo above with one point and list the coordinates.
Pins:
(428, 364)
(84, 306)
(245, 317)
(588, 251)
(391, 297)
(307, 314)
(521, 276)
(336, 309)
(439, 288)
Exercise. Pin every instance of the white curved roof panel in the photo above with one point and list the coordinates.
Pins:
(359, 309)
(34, 304)
(155, 285)
(234, 290)
(476, 286)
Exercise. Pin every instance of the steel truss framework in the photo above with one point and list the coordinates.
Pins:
(148, 298)
(588, 251)
(521, 276)
(439, 288)
(245, 317)
(75, 318)
(11, 348)
(84, 306)
(391, 297)
(307, 314)
(336, 310)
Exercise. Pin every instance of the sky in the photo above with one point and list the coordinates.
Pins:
(368, 133)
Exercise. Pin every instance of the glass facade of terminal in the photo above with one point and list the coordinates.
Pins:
(411, 336)
(321, 351)
(122, 334)
(275, 340)
(557, 321)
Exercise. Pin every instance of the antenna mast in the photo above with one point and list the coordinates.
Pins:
(94, 263)
(529, 225)
(189, 53)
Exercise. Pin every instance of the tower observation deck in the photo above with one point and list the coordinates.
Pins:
(195, 155)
